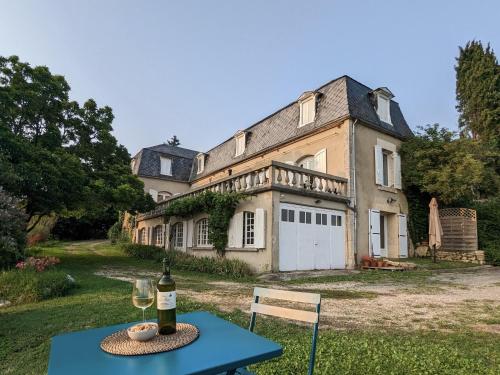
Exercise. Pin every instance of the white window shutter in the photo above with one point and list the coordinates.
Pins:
(189, 233)
(260, 228)
(374, 216)
(184, 235)
(154, 194)
(403, 236)
(397, 170)
(379, 162)
(320, 161)
(235, 235)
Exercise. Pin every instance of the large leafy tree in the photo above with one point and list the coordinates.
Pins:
(56, 155)
(478, 92)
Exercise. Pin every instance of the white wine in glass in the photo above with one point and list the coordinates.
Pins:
(143, 295)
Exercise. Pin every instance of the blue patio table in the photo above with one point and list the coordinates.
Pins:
(222, 346)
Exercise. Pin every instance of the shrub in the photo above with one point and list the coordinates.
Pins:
(144, 251)
(186, 262)
(25, 286)
(492, 253)
(12, 231)
(115, 232)
(218, 266)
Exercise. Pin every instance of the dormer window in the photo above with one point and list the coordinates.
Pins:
(307, 103)
(200, 163)
(165, 166)
(383, 98)
(240, 140)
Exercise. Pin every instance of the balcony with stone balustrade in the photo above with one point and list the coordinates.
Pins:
(272, 176)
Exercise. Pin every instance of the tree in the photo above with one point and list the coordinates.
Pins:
(57, 156)
(12, 235)
(453, 169)
(478, 92)
(174, 141)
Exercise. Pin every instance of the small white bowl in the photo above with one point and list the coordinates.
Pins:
(145, 334)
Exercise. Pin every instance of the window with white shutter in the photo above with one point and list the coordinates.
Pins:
(307, 110)
(154, 194)
(320, 161)
(383, 108)
(235, 233)
(260, 228)
(240, 140)
(165, 166)
(379, 162)
(397, 170)
(374, 240)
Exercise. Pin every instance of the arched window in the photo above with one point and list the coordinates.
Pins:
(158, 235)
(163, 195)
(202, 233)
(177, 235)
(307, 162)
(141, 236)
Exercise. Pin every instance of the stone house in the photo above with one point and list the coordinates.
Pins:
(324, 174)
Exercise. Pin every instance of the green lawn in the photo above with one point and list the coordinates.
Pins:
(25, 330)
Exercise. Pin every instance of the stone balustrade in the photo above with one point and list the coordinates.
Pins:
(275, 175)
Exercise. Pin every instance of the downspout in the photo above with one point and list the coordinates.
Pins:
(353, 202)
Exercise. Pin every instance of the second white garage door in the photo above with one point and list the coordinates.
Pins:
(311, 238)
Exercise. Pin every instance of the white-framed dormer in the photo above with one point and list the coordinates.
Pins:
(307, 105)
(240, 140)
(382, 102)
(165, 166)
(200, 163)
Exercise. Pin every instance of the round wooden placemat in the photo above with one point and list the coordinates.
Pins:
(119, 342)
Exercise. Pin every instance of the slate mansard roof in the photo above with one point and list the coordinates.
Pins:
(149, 162)
(339, 99)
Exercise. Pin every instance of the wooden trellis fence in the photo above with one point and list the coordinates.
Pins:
(459, 229)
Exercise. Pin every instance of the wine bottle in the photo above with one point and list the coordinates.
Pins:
(166, 302)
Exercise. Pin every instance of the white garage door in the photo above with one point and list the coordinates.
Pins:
(311, 238)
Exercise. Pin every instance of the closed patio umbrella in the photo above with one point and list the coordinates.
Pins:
(435, 230)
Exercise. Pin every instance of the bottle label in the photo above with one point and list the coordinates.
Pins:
(166, 300)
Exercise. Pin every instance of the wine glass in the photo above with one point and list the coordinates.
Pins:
(143, 295)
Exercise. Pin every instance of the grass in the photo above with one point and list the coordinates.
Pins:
(25, 330)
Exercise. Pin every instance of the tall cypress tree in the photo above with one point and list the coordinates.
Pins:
(478, 93)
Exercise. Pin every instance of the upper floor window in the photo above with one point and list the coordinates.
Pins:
(383, 98)
(240, 139)
(165, 166)
(177, 235)
(163, 195)
(248, 229)
(306, 162)
(307, 104)
(387, 165)
(202, 233)
(200, 163)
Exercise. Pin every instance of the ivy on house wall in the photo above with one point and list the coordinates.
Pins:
(220, 208)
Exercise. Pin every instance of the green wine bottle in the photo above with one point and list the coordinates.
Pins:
(166, 302)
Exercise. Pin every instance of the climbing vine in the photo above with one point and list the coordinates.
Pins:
(219, 207)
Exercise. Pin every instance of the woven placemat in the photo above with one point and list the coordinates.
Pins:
(119, 342)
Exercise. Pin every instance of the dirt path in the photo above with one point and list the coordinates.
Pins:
(447, 301)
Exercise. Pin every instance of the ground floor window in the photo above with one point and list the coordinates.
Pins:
(248, 229)
(141, 236)
(202, 233)
(158, 235)
(383, 232)
(178, 235)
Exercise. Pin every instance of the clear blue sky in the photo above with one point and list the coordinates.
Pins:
(204, 69)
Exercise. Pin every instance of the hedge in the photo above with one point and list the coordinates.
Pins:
(234, 268)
